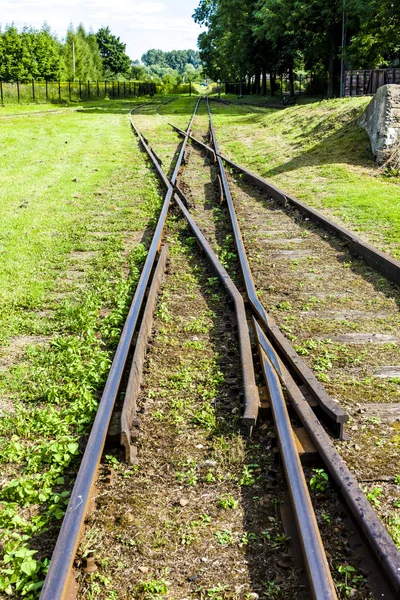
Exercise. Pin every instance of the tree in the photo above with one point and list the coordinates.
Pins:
(227, 48)
(112, 51)
(47, 51)
(17, 55)
(175, 59)
(374, 33)
(154, 57)
(81, 47)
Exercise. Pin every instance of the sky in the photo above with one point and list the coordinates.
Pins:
(141, 24)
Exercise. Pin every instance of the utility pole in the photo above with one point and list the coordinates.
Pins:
(73, 58)
(343, 48)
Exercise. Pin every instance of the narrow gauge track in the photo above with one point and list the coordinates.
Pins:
(275, 373)
(373, 529)
(346, 482)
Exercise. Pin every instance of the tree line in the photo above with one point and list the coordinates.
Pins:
(38, 54)
(246, 38)
(172, 67)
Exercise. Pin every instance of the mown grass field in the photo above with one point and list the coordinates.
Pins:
(77, 201)
(317, 152)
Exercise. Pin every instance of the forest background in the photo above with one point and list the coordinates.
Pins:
(40, 55)
(252, 38)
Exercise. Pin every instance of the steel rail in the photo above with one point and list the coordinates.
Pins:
(378, 538)
(252, 402)
(251, 396)
(373, 529)
(326, 403)
(321, 583)
(380, 261)
(334, 413)
(59, 574)
(319, 576)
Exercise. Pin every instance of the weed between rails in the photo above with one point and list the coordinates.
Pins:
(60, 384)
(196, 518)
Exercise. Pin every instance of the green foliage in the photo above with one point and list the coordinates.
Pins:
(214, 593)
(38, 54)
(112, 51)
(87, 57)
(175, 59)
(319, 481)
(351, 580)
(228, 502)
(248, 477)
(277, 36)
(224, 537)
(29, 54)
(22, 573)
(152, 589)
(374, 495)
(170, 68)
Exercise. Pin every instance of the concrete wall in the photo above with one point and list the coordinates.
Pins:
(381, 120)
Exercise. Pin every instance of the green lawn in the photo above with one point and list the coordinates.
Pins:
(317, 152)
(77, 198)
(56, 171)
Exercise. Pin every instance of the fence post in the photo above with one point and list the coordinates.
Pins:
(18, 91)
(88, 89)
(98, 91)
(47, 91)
(69, 90)
(80, 90)
(300, 83)
(1, 91)
(33, 90)
(59, 90)
(105, 89)
(118, 89)
(190, 92)
(134, 89)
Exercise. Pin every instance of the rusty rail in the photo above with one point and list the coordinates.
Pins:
(129, 409)
(332, 411)
(372, 528)
(374, 531)
(321, 583)
(251, 397)
(59, 580)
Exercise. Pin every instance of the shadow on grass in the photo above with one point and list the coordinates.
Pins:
(348, 145)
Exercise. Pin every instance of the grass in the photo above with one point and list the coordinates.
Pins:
(77, 197)
(164, 140)
(318, 153)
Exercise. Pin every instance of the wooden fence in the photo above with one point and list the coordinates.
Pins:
(365, 82)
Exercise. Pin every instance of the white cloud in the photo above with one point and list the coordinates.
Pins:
(141, 25)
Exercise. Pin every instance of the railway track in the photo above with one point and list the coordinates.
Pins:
(267, 361)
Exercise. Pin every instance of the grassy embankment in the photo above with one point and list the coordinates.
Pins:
(77, 197)
(318, 153)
